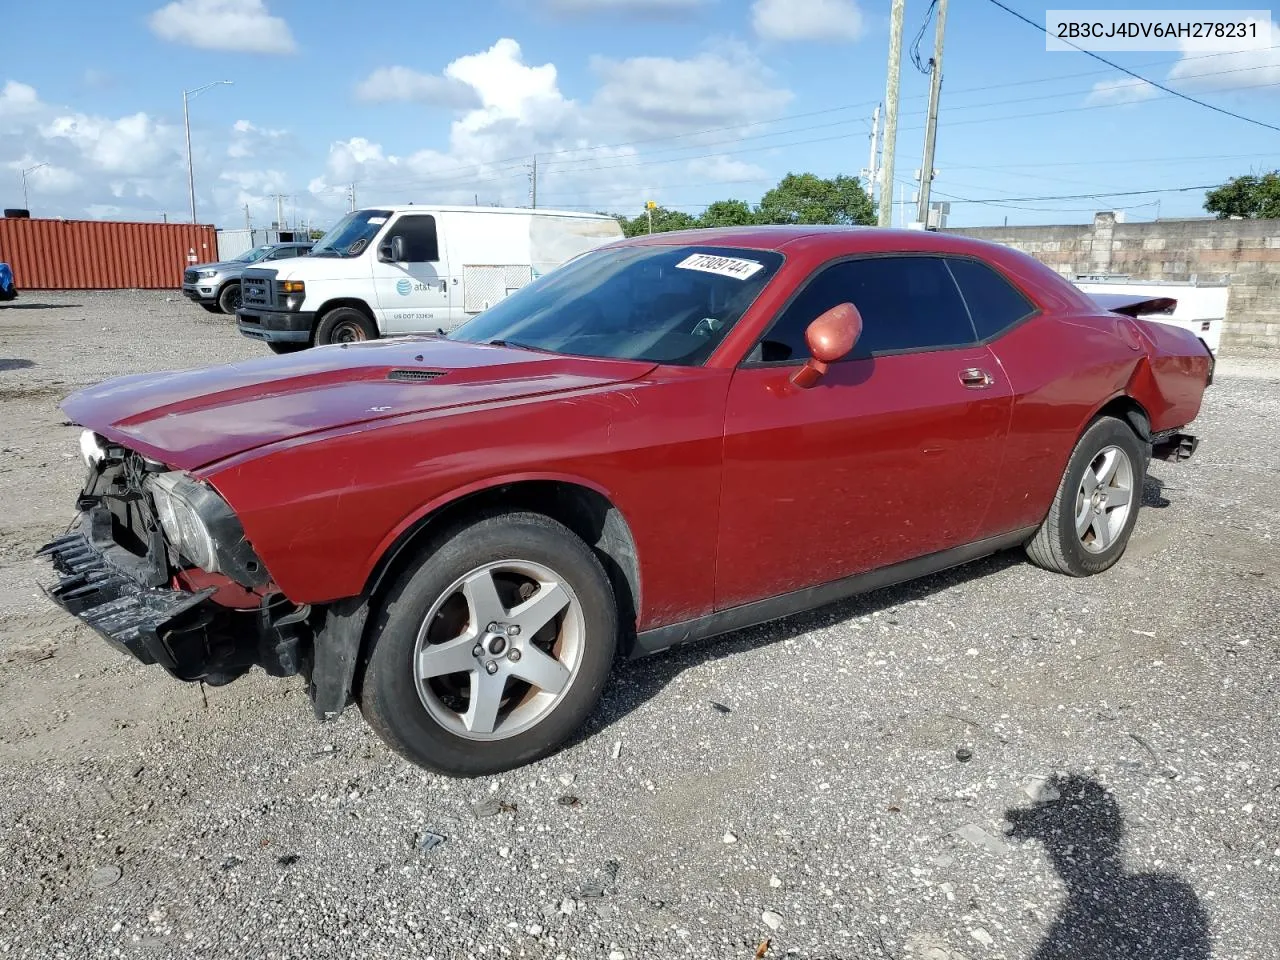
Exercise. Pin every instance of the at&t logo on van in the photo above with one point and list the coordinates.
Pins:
(404, 287)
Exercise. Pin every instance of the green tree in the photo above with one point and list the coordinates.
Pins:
(807, 198)
(663, 221)
(728, 213)
(1251, 197)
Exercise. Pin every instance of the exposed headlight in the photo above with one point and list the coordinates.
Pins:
(207, 274)
(91, 448)
(182, 523)
(204, 528)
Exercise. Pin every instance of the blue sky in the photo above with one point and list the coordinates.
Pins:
(679, 101)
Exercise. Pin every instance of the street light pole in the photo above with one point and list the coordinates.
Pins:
(187, 96)
(25, 203)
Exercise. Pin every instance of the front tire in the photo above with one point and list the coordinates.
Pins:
(493, 649)
(229, 299)
(1097, 503)
(344, 325)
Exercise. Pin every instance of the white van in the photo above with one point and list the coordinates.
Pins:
(409, 269)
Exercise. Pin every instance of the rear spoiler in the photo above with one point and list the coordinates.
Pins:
(1134, 305)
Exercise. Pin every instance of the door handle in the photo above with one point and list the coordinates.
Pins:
(976, 378)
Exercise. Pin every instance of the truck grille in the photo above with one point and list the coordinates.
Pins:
(257, 292)
(190, 276)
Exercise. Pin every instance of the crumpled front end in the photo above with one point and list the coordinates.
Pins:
(125, 568)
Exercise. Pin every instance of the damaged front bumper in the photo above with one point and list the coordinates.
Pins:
(132, 602)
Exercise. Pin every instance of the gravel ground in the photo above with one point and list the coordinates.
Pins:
(835, 784)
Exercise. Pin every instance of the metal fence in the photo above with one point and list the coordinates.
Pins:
(102, 254)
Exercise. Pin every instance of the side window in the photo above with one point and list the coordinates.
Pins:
(994, 303)
(419, 233)
(907, 303)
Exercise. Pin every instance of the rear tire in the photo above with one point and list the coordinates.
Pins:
(277, 347)
(1097, 503)
(540, 670)
(229, 299)
(344, 325)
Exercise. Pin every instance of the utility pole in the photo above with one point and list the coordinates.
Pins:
(248, 222)
(187, 96)
(533, 184)
(931, 125)
(872, 172)
(279, 199)
(25, 202)
(351, 196)
(891, 112)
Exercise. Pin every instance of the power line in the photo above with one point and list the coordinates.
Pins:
(1092, 196)
(1138, 76)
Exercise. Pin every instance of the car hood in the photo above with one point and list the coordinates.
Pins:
(221, 265)
(189, 419)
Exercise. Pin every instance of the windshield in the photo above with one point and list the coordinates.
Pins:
(254, 255)
(351, 234)
(664, 304)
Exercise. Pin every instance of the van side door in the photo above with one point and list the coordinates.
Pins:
(411, 276)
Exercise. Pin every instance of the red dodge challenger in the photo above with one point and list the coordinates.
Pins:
(665, 439)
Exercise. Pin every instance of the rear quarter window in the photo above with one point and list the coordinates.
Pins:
(994, 303)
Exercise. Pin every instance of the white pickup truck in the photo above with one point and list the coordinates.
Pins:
(394, 270)
(1199, 308)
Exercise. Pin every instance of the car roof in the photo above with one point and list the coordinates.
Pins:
(823, 239)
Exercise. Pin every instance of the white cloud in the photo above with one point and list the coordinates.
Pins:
(132, 145)
(17, 99)
(249, 140)
(635, 8)
(1123, 90)
(1235, 70)
(240, 26)
(722, 169)
(523, 111)
(660, 95)
(389, 84)
(829, 20)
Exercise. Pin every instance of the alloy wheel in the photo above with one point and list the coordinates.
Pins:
(1104, 499)
(499, 649)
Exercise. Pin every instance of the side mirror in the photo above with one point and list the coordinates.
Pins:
(830, 337)
(392, 251)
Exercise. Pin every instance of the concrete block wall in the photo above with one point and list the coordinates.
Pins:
(1245, 254)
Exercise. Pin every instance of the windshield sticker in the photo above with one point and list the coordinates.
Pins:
(724, 266)
(377, 221)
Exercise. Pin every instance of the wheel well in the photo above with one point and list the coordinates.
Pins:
(347, 302)
(1128, 410)
(588, 513)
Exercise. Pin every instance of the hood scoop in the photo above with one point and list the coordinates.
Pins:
(414, 376)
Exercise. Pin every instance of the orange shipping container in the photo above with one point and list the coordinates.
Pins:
(102, 254)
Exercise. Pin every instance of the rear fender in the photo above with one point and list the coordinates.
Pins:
(1170, 380)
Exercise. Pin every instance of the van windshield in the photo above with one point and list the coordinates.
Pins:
(351, 234)
(664, 304)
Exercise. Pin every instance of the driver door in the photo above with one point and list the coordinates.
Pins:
(413, 292)
(893, 454)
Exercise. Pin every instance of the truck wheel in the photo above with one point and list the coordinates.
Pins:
(229, 298)
(491, 650)
(1097, 502)
(344, 325)
(286, 347)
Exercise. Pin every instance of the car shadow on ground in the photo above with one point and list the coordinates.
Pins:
(15, 364)
(1108, 914)
(636, 681)
(40, 306)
